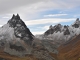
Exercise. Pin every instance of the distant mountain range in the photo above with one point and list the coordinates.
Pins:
(57, 43)
(60, 32)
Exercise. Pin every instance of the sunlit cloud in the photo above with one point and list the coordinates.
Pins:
(48, 20)
(55, 15)
(30, 10)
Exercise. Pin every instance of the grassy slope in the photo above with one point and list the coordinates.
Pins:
(70, 50)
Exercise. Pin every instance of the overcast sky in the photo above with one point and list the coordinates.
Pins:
(40, 14)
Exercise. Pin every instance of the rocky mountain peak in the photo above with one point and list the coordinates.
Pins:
(50, 27)
(20, 28)
(53, 29)
(16, 21)
(66, 26)
(15, 37)
(16, 17)
(76, 24)
(58, 25)
(77, 19)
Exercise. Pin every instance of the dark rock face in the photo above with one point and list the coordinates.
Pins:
(77, 23)
(2, 59)
(20, 29)
(2, 43)
(56, 28)
(66, 32)
(17, 48)
(50, 31)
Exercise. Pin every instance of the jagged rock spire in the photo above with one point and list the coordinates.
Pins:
(77, 19)
(16, 17)
(13, 16)
(50, 27)
(76, 24)
(20, 28)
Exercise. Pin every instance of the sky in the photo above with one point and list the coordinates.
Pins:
(38, 15)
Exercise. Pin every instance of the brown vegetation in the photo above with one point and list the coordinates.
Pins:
(70, 50)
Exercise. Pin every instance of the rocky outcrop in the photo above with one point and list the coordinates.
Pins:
(20, 29)
(76, 23)
(53, 29)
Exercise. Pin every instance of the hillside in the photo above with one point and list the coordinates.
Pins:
(70, 50)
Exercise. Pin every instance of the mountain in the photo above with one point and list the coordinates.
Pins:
(76, 24)
(15, 36)
(61, 33)
(18, 43)
(66, 40)
(57, 43)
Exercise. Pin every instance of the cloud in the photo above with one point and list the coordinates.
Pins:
(55, 15)
(42, 5)
(6, 17)
(0, 25)
(48, 20)
(9, 5)
(39, 32)
(27, 7)
(45, 27)
(76, 16)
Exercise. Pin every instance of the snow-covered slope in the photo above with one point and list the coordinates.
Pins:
(15, 37)
(61, 33)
